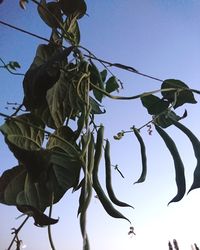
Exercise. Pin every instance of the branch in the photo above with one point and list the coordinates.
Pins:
(16, 231)
(135, 96)
(5, 66)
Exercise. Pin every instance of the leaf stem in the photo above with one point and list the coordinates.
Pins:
(16, 231)
(5, 66)
(49, 226)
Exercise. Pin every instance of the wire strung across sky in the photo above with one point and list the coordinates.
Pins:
(117, 65)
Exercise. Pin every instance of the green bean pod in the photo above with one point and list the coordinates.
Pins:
(86, 192)
(178, 164)
(96, 184)
(196, 147)
(143, 155)
(109, 188)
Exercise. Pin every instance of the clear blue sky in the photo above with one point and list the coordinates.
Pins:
(157, 37)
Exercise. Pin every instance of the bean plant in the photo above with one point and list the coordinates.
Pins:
(64, 84)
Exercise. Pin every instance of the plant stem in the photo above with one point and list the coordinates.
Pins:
(49, 226)
(17, 231)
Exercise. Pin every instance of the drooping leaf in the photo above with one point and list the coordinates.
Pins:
(34, 194)
(164, 120)
(13, 65)
(17, 188)
(72, 32)
(104, 74)
(25, 142)
(59, 100)
(11, 184)
(24, 131)
(76, 7)
(44, 113)
(43, 74)
(96, 79)
(63, 139)
(112, 84)
(40, 218)
(154, 104)
(196, 147)
(63, 173)
(183, 96)
(96, 107)
(50, 13)
(178, 164)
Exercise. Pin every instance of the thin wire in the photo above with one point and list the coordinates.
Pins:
(91, 55)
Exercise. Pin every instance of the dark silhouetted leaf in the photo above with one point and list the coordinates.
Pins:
(24, 132)
(66, 142)
(111, 84)
(53, 16)
(43, 74)
(96, 107)
(11, 184)
(164, 120)
(96, 79)
(184, 96)
(72, 32)
(59, 100)
(154, 104)
(41, 219)
(63, 173)
(13, 65)
(76, 7)
(104, 74)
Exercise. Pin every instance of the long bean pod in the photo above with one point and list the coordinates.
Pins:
(109, 188)
(96, 184)
(143, 155)
(178, 164)
(196, 147)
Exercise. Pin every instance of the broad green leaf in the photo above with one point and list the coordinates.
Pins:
(164, 120)
(24, 132)
(63, 174)
(104, 74)
(41, 219)
(73, 8)
(111, 84)
(36, 194)
(96, 79)
(178, 164)
(58, 99)
(66, 143)
(154, 104)
(44, 113)
(72, 32)
(96, 107)
(42, 75)
(184, 96)
(52, 17)
(13, 65)
(11, 184)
